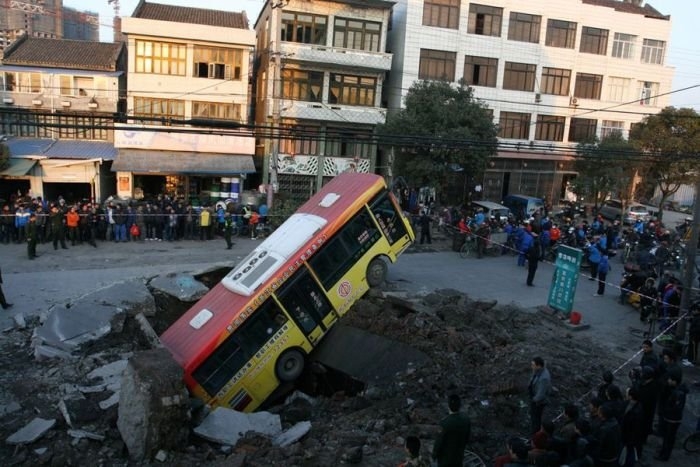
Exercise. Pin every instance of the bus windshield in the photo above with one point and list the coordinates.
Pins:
(255, 329)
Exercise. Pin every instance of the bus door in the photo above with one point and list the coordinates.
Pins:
(307, 305)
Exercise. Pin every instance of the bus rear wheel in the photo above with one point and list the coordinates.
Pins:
(376, 272)
(289, 366)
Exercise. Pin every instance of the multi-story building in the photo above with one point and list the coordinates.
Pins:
(320, 68)
(554, 74)
(58, 102)
(47, 19)
(186, 66)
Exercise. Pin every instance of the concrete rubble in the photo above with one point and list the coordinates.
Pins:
(226, 426)
(31, 432)
(183, 287)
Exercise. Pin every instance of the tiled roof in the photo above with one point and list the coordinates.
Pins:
(61, 149)
(188, 15)
(627, 7)
(63, 53)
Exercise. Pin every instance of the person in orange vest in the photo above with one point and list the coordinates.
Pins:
(72, 222)
(554, 234)
(253, 221)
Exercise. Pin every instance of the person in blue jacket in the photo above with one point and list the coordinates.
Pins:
(593, 259)
(525, 245)
(603, 270)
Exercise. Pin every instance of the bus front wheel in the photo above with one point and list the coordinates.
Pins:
(289, 366)
(376, 272)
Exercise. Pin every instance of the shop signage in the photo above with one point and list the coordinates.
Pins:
(565, 279)
(146, 138)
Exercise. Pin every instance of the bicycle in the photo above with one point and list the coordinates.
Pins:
(468, 248)
(691, 443)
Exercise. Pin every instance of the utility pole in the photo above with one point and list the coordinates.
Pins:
(689, 273)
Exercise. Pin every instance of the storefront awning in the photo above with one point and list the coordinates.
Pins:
(183, 163)
(18, 167)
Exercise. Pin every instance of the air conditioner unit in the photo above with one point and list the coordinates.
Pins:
(573, 101)
(538, 98)
(8, 100)
(65, 103)
(37, 101)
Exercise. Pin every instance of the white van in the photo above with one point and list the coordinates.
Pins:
(492, 210)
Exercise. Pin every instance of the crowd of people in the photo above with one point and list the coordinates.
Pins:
(36, 221)
(610, 429)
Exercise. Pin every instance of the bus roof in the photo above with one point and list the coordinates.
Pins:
(194, 335)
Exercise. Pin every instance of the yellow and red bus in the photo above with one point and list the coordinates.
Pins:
(254, 329)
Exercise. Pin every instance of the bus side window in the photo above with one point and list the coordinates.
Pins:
(388, 218)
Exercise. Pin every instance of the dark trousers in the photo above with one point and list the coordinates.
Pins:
(227, 237)
(531, 269)
(601, 282)
(3, 301)
(536, 411)
(58, 235)
(668, 434)
(31, 248)
(425, 236)
(594, 270)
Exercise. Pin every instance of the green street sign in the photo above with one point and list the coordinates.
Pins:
(565, 278)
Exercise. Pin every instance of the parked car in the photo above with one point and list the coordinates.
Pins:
(570, 209)
(522, 206)
(612, 210)
(492, 210)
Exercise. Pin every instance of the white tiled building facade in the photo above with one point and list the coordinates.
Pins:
(554, 73)
(185, 63)
(320, 70)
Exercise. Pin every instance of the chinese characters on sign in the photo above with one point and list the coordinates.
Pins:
(563, 289)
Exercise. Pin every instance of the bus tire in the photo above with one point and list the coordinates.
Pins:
(376, 272)
(289, 365)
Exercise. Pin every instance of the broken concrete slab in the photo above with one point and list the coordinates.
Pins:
(31, 432)
(45, 352)
(67, 328)
(154, 408)
(131, 295)
(80, 434)
(111, 401)
(227, 426)
(110, 374)
(147, 331)
(184, 287)
(291, 435)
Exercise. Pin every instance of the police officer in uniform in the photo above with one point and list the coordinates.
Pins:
(32, 232)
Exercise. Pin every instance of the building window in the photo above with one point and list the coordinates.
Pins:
(162, 58)
(555, 81)
(342, 143)
(484, 20)
(437, 65)
(560, 34)
(594, 40)
(588, 86)
(352, 90)
(77, 85)
(549, 128)
(648, 92)
(623, 45)
(609, 127)
(86, 127)
(582, 129)
(514, 125)
(480, 71)
(519, 76)
(161, 109)
(305, 141)
(22, 82)
(216, 111)
(304, 28)
(524, 27)
(217, 63)
(357, 35)
(302, 85)
(441, 13)
(653, 51)
(618, 89)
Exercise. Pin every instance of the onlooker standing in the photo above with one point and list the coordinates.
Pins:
(205, 224)
(228, 229)
(633, 430)
(603, 270)
(593, 259)
(671, 416)
(448, 449)
(533, 257)
(424, 222)
(57, 228)
(539, 388)
(72, 223)
(3, 302)
(609, 438)
(31, 236)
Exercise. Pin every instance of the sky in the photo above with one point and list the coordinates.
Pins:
(683, 52)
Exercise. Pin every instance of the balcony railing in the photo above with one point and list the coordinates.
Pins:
(336, 56)
(333, 113)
